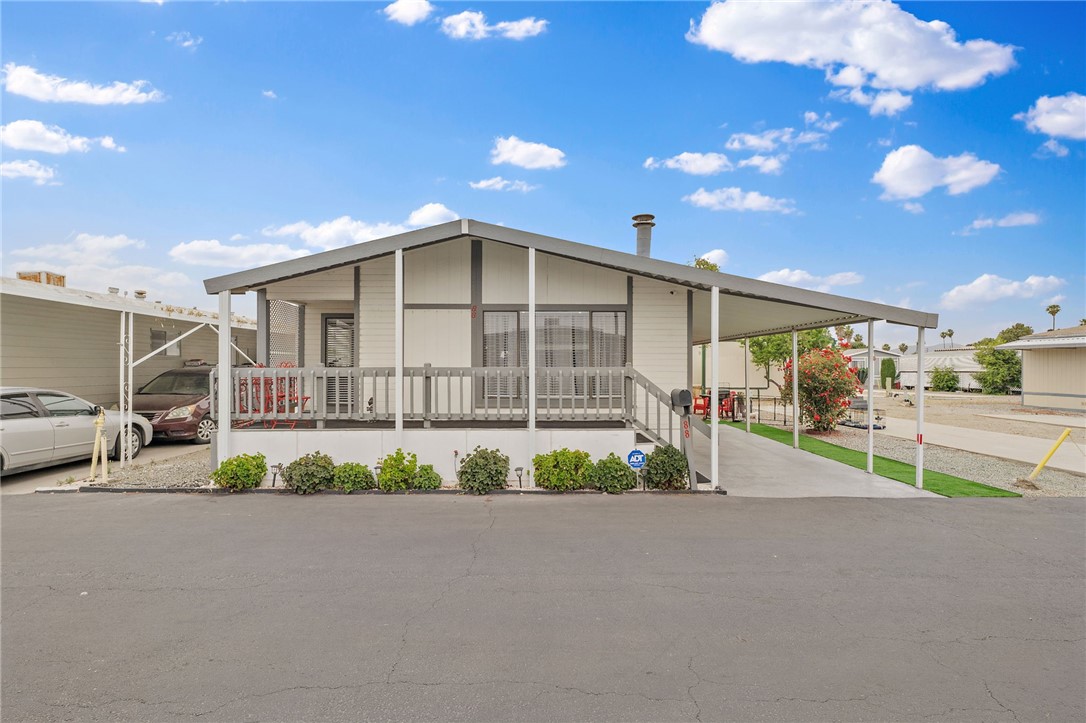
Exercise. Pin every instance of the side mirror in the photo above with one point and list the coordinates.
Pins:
(96, 409)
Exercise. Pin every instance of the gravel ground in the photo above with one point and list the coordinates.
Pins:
(188, 470)
(967, 465)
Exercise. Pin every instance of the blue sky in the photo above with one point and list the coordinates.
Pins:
(862, 149)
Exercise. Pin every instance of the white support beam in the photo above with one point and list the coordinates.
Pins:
(714, 384)
(920, 407)
(168, 344)
(130, 389)
(122, 369)
(532, 411)
(870, 396)
(795, 389)
(746, 382)
(225, 396)
(399, 348)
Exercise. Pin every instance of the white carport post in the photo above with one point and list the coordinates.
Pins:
(870, 396)
(122, 371)
(920, 407)
(399, 348)
(795, 390)
(531, 363)
(746, 382)
(714, 401)
(226, 379)
(126, 426)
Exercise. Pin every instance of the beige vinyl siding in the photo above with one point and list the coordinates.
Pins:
(330, 285)
(74, 348)
(659, 332)
(441, 338)
(505, 274)
(314, 327)
(438, 274)
(564, 281)
(1047, 373)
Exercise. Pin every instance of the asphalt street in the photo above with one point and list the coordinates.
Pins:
(158, 607)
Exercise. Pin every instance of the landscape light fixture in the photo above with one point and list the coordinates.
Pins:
(275, 470)
(520, 475)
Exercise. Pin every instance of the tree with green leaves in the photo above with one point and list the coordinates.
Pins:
(950, 335)
(858, 342)
(777, 348)
(1082, 322)
(704, 264)
(1053, 309)
(942, 335)
(886, 347)
(903, 347)
(1002, 367)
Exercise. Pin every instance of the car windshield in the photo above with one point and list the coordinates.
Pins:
(177, 383)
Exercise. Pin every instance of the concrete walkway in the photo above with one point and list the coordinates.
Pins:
(1055, 420)
(753, 466)
(1069, 457)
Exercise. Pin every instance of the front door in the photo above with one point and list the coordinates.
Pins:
(337, 349)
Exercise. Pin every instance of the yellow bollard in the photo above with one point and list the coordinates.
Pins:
(1037, 470)
(100, 446)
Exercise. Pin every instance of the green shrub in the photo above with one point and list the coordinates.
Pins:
(351, 476)
(944, 379)
(887, 370)
(310, 473)
(397, 471)
(482, 471)
(241, 473)
(666, 469)
(426, 478)
(861, 375)
(612, 475)
(562, 470)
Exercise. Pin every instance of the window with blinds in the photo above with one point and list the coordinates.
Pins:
(563, 339)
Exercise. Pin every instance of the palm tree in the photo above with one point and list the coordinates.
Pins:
(1082, 322)
(903, 347)
(950, 335)
(1053, 309)
(942, 335)
(886, 347)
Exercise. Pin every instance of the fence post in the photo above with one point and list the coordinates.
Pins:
(628, 394)
(427, 395)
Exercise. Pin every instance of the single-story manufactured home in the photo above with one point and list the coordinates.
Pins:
(58, 337)
(961, 359)
(468, 333)
(1053, 368)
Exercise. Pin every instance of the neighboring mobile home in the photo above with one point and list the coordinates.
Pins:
(426, 341)
(68, 339)
(1053, 368)
(960, 359)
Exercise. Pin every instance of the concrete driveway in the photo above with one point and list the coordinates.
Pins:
(521, 608)
(753, 466)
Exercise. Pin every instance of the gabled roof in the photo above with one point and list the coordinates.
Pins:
(743, 295)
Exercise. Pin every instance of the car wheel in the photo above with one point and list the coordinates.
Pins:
(205, 430)
(137, 444)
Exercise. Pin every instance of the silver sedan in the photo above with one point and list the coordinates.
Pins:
(41, 427)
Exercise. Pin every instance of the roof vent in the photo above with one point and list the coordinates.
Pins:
(141, 293)
(114, 290)
(643, 222)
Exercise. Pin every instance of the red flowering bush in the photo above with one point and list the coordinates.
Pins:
(826, 384)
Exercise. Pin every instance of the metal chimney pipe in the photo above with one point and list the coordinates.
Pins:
(643, 222)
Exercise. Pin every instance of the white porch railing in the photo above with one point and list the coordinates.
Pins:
(312, 396)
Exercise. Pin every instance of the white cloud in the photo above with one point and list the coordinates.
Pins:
(239, 237)
(497, 183)
(84, 248)
(913, 207)
(346, 230)
(911, 172)
(695, 164)
(770, 140)
(806, 280)
(160, 3)
(1056, 299)
(213, 253)
(887, 102)
(989, 287)
(1051, 148)
(26, 81)
(270, 94)
(32, 135)
(736, 199)
(526, 154)
(185, 39)
(97, 276)
(858, 43)
(716, 256)
(1062, 116)
(408, 12)
(33, 170)
(472, 25)
(431, 215)
(825, 121)
(1020, 218)
(766, 164)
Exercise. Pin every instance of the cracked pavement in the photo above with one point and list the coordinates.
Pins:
(266, 608)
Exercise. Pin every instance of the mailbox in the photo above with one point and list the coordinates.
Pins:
(682, 401)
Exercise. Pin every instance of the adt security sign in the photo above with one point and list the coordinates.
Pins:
(636, 459)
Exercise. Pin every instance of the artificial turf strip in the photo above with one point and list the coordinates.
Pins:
(937, 482)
